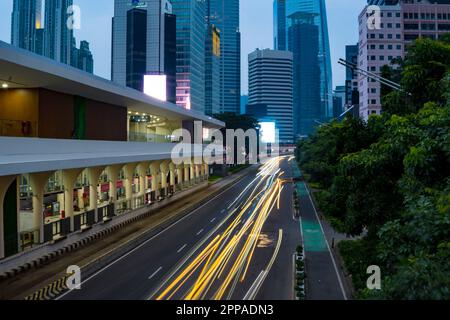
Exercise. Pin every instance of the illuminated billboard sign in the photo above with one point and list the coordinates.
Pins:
(156, 86)
(268, 132)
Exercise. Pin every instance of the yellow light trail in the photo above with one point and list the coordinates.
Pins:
(231, 257)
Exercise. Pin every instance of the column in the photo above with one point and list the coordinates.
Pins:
(129, 176)
(94, 176)
(142, 171)
(69, 177)
(5, 182)
(37, 183)
(113, 172)
(155, 169)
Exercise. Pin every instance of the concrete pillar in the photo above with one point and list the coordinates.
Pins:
(142, 171)
(37, 183)
(129, 176)
(5, 182)
(187, 169)
(192, 172)
(69, 177)
(173, 173)
(113, 172)
(93, 177)
(155, 171)
(180, 171)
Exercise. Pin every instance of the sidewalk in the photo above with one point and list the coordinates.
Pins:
(324, 279)
(119, 236)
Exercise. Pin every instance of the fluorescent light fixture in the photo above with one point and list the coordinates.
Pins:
(267, 132)
(4, 85)
(155, 86)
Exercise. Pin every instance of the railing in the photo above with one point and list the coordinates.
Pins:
(149, 137)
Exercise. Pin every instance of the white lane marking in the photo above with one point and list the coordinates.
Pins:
(200, 232)
(182, 248)
(223, 210)
(155, 273)
(152, 238)
(214, 219)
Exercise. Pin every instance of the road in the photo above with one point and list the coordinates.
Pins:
(238, 245)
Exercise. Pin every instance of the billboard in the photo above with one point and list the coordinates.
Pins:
(268, 132)
(155, 86)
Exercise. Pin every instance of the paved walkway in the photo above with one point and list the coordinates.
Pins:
(324, 279)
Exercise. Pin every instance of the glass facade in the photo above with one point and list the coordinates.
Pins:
(212, 77)
(224, 14)
(191, 39)
(315, 13)
(304, 44)
(279, 25)
(136, 47)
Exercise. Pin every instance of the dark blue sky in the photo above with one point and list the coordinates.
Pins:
(256, 28)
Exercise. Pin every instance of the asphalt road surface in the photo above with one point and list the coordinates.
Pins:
(239, 245)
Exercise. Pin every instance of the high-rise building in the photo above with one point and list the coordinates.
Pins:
(338, 101)
(351, 79)
(191, 39)
(291, 19)
(270, 90)
(58, 37)
(25, 24)
(224, 14)
(56, 40)
(303, 39)
(279, 25)
(82, 57)
(400, 23)
(318, 9)
(212, 76)
(144, 44)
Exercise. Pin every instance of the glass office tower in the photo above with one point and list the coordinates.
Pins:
(279, 25)
(191, 39)
(224, 14)
(317, 10)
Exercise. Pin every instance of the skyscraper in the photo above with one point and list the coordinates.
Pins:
(57, 35)
(224, 14)
(303, 41)
(270, 90)
(191, 39)
(401, 22)
(82, 57)
(212, 66)
(143, 43)
(351, 80)
(25, 21)
(279, 25)
(315, 13)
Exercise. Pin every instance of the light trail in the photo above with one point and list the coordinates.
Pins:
(225, 261)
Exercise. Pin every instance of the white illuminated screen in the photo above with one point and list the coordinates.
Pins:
(155, 86)
(267, 132)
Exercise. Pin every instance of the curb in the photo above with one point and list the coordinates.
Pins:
(45, 259)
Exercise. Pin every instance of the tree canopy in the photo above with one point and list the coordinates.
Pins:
(389, 177)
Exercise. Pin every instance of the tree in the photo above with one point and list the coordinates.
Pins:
(423, 75)
(393, 180)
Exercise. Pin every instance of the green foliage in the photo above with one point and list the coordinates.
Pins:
(424, 75)
(388, 180)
